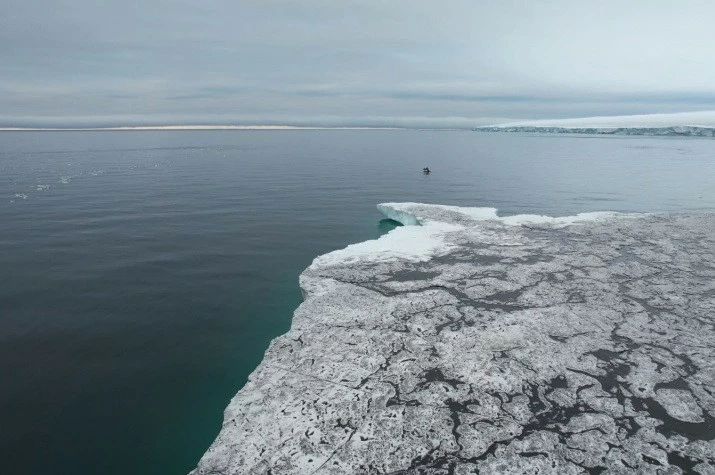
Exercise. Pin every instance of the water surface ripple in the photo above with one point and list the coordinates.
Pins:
(144, 273)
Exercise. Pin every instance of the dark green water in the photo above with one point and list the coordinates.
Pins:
(142, 274)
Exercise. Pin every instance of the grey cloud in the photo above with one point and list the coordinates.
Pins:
(351, 62)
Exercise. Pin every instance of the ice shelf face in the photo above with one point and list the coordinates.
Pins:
(495, 345)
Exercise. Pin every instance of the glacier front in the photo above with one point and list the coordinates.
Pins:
(472, 343)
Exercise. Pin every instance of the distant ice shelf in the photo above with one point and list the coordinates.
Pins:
(686, 124)
(678, 131)
(466, 342)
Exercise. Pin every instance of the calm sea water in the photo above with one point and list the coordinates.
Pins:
(142, 274)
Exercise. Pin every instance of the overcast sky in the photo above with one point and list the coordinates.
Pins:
(344, 62)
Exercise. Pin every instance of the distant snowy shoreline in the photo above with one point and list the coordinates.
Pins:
(185, 127)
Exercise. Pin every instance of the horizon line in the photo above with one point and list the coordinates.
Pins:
(217, 127)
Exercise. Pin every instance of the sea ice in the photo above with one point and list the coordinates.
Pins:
(468, 342)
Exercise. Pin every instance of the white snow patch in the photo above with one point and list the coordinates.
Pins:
(412, 243)
(426, 228)
(410, 212)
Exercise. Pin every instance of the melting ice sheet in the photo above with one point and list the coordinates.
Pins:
(467, 342)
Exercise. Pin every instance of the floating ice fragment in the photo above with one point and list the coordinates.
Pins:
(679, 404)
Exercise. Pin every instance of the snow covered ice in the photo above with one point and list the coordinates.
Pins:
(471, 343)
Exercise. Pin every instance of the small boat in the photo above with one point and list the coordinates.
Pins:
(426, 170)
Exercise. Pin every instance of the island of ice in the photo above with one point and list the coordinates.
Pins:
(472, 343)
(696, 124)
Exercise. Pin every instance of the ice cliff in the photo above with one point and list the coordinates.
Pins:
(470, 343)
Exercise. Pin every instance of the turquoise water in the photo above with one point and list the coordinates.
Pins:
(144, 273)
